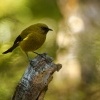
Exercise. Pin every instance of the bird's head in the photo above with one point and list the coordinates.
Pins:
(43, 28)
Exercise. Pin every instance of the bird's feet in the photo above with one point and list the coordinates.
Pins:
(44, 56)
(41, 55)
(31, 62)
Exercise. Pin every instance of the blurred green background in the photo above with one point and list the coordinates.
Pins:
(16, 15)
(74, 42)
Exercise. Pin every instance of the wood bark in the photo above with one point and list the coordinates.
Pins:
(34, 82)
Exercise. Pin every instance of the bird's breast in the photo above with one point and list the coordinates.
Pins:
(32, 42)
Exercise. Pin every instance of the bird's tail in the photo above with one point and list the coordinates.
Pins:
(11, 48)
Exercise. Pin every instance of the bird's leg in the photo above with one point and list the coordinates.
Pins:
(41, 56)
(29, 59)
(38, 54)
(27, 56)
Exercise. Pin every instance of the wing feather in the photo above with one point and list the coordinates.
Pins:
(18, 39)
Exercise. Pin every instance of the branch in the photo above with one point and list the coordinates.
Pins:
(34, 83)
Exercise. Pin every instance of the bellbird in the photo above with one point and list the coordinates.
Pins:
(30, 38)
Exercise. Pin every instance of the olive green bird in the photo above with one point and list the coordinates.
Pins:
(31, 38)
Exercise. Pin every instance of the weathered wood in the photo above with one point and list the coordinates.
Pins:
(34, 83)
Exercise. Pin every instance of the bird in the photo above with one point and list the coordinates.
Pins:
(31, 38)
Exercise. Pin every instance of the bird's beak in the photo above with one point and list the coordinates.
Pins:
(50, 29)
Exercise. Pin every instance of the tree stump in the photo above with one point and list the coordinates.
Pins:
(34, 82)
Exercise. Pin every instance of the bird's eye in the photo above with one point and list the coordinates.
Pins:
(45, 28)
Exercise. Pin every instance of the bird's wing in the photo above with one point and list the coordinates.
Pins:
(24, 34)
(18, 39)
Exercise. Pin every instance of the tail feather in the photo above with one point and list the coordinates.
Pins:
(10, 49)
